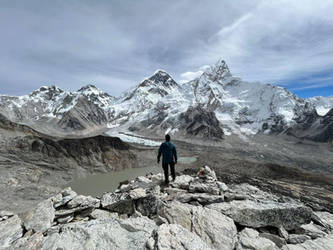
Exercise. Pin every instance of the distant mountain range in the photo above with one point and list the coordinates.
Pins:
(214, 105)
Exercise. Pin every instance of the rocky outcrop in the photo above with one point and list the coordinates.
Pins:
(145, 214)
(199, 122)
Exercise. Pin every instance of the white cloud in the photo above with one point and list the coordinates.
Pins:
(188, 76)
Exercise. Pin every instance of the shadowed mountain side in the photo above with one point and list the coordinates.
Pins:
(314, 127)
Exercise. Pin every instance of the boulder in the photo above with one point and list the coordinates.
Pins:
(102, 214)
(311, 230)
(33, 242)
(324, 243)
(216, 229)
(149, 205)
(10, 231)
(102, 234)
(298, 238)
(41, 218)
(324, 219)
(137, 193)
(250, 239)
(173, 236)
(199, 186)
(118, 202)
(222, 186)
(279, 242)
(255, 214)
(81, 201)
(182, 182)
(177, 213)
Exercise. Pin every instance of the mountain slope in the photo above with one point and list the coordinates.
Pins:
(52, 110)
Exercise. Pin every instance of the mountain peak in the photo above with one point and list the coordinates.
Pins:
(219, 70)
(159, 78)
(88, 87)
(47, 92)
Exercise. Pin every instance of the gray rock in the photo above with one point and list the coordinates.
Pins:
(182, 182)
(5, 213)
(102, 234)
(250, 239)
(83, 201)
(33, 242)
(174, 191)
(222, 186)
(311, 230)
(255, 214)
(142, 182)
(66, 219)
(283, 232)
(279, 242)
(118, 202)
(149, 205)
(324, 219)
(216, 229)
(298, 238)
(102, 214)
(325, 243)
(67, 195)
(177, 213)
(174, 236)
(203, 199)
(10, 230)
(41, 218)
(137, 193)
(199, 186)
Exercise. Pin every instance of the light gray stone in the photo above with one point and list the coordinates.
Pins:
(182, 182)
(177, 213)
(202, 198)
(222, 186)
(102, 234)
(173, 236)
(298, 238)
(41, 218)
(326, 219)
(216, 229)
(199, 186)
(283, 232)
(10, 230)
(5, 213)
(67, 195)
(250, 239)
(83, 201)
(137, 193)
(102, 214)
(311, 230)
(279, 242)
(255, 214)
(325, 243)
(118, 202)
(33, 242)
(65, 219)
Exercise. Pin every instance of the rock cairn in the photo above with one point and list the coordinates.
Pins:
(193, 212)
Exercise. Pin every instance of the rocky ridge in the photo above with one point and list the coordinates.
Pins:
(194, 212)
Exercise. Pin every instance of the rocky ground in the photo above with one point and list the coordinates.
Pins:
(34, 166)
(194, 212)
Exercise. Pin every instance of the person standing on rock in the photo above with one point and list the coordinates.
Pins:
(169, 157)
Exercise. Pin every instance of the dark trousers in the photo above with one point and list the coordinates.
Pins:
(166, 171)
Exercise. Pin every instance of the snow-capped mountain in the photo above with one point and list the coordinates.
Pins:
(322, 104)
(238, 106)
(211, 106)
(50, 109)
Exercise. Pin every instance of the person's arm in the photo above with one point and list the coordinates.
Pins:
(175, 154)
(159, 154)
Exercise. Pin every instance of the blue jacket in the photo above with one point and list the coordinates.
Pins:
(168, 151)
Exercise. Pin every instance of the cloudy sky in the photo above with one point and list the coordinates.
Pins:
(116, 44)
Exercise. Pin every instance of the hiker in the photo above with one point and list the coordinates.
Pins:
(169, 153)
